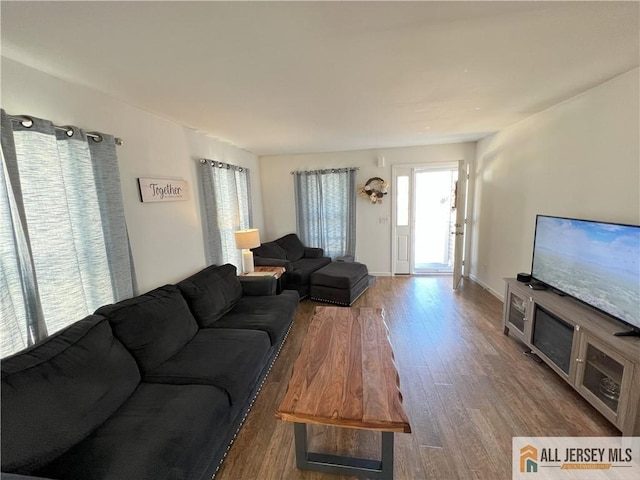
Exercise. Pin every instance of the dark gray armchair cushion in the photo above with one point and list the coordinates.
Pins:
(312, 252)
(153, 326)
(304, 267)
(270, 250)
(211, 292)
(57, 392)
(272, 262)
(292, 246)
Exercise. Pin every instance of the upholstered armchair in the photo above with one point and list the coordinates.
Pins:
(300, 261)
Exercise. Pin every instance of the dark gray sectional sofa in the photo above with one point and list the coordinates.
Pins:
(300, 261)
(154, 387)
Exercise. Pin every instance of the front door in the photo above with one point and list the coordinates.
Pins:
(402, 221)
(459, 227)
(428, 233)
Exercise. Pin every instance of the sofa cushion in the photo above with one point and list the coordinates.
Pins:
(57, 392)
(226, 358)
(270, 250)
(293, 246)
(258, 285)
(313, 252)
(163, 432)
(270, 313)
(153, 326)
(303, 268)
(211, 292)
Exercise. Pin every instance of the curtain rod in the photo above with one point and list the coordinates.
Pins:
(326, 170)
(27, 122)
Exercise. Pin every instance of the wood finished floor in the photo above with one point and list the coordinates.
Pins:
(468, 389)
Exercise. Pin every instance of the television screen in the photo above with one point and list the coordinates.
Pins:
(595, 262)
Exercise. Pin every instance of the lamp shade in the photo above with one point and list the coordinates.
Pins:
(249, 238)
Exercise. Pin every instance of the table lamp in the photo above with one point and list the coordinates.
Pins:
(246, 239)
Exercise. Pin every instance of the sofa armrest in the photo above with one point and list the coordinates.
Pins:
(259, 285)
(272, 262)
(311, 252)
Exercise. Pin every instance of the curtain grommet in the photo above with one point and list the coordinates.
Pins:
(26, 122)
(95, 136)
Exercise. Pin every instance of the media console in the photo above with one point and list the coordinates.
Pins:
(578, 343)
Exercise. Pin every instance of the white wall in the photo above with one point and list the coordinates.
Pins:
(373, 239)
(166, 238)
(578, 159)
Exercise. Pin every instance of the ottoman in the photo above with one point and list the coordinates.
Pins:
(340, 282)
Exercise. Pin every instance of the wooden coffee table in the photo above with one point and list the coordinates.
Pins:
(345, 377)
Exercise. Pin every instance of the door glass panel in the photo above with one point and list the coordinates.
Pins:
(603, 376)
(517, 312)
(402, 202)
(435, 220)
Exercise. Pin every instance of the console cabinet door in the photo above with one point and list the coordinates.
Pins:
(603, 377)
(517, 314)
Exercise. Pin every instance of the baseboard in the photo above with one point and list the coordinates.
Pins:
(380, 274)
(499, 296)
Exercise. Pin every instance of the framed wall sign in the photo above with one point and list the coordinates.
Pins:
(162, 190)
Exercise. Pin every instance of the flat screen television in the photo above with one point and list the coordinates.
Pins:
(597, 263)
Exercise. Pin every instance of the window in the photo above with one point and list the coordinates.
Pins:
(227, 202)
(325, 210)
(64, 249)
(402, 201)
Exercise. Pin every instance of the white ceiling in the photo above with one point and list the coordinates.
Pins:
(296, 77)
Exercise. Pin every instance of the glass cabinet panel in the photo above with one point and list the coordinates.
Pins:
(517, 312)
(602, 376)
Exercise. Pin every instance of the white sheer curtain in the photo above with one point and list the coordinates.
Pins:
(326, 210)
(64, 249)
(227, 201)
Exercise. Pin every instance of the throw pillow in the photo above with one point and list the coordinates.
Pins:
(270, 250)
(293, 246)
(212, 292)
(153, 326)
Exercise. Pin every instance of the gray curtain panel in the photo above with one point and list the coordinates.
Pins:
(64, 247)
(326, 209)
(227, 207)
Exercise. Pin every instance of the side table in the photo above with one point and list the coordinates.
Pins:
(276, 272)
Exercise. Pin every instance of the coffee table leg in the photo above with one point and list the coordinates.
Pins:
(319, 462)
(386, 466)
(300, 434)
